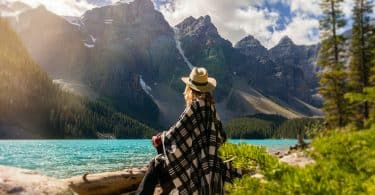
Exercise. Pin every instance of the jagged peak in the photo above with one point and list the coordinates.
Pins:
(145, 4)
(201, 24)
(189, 19)
(286, 40)
(206, 19)
(248, 41)
(203, 19)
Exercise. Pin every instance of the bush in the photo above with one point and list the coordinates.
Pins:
(345, 164)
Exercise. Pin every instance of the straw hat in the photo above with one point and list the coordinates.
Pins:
(199, 80)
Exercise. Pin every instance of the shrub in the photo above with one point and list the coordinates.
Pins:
(345, 164)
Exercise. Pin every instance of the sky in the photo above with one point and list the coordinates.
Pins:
(266, 20)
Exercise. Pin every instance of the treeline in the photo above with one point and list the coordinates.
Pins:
(32, 106)
(347, 80)
(262, 126)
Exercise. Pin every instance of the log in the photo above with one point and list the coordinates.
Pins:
(21, 181)
(118, 182)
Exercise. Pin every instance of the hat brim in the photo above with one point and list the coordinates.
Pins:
(209, 87)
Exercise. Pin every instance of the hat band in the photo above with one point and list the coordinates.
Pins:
(198, 83)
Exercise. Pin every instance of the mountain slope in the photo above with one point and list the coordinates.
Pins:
(203, 46)
(32, 106)
(109, 49)
(297, 65)
(257, 67)
(253, 80)
(53, 42)
(128, 57)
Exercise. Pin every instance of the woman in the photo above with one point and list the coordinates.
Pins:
(188, 152)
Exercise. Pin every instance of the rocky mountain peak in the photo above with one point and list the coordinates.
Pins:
(205, 22)
(200, 26)
(206, 19)
(284, 47)
(286, 41)
(127, 21)
(250, 46)
(144, 5)
(249, 42)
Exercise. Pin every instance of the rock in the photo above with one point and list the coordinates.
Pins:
(258, 176)
(20, 181)
(297, 159)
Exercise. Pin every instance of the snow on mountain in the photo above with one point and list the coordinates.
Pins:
(93, 39)
(179, 48)
(144, 86)
(89, 45)
(108, 21)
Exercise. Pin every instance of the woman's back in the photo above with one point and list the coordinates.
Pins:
(190, 147)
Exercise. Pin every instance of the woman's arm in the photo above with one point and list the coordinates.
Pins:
(168, 134)
(179, 130)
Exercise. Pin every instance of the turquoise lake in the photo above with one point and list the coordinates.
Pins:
(67, 158)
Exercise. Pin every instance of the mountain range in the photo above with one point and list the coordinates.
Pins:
(128, 57)
(32, 106)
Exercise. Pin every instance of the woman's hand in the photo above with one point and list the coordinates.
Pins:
(156, 140)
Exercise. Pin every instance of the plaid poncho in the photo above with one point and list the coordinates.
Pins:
(191, 150)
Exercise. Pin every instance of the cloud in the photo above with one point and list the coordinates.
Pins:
(238, 18)
(305, 7)
(267, 20)
(303, 31)
(61, 7)
(249, 21)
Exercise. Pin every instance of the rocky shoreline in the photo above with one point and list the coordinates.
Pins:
(21, 181)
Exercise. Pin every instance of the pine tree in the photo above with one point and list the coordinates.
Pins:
(360, 61)
(333, 77)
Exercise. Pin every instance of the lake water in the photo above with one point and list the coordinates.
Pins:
(67, 158)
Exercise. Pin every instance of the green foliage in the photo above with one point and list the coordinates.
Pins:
(249, 157)
(30, 101)
(345, 164)
(333, 77)
(360, 59)
(368, 95)
(263, 126)
(249, 128)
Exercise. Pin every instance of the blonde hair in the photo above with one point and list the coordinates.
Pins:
(192, 95)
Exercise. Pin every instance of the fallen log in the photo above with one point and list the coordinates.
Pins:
(118, 182)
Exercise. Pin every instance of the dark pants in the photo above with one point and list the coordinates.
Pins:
(156, 174)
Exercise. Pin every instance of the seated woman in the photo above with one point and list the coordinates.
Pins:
(188, 158)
